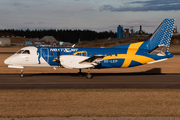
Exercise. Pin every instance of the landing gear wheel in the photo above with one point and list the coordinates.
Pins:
(22, 70)
(22, 75)
(89, 76)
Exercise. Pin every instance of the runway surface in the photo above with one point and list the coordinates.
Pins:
(99, 81)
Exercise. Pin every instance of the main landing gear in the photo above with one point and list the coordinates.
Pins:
(88, 75)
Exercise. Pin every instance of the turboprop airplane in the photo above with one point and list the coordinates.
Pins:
(153, 50)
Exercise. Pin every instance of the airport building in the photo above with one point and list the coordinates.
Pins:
(120, 32)
(5, 42)
(129, 32)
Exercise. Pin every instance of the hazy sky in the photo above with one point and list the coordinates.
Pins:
(98, 15)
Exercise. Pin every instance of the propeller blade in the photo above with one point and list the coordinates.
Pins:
(58, 58)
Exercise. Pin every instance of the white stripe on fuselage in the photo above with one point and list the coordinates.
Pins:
(157, 61)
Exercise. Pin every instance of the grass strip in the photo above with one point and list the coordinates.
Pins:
(99, 103)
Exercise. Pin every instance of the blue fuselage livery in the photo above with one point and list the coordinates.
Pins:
(153, 50)
(113, 57)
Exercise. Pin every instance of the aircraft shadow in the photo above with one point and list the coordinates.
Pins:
(154, 71)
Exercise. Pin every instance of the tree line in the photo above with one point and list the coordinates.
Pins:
(61, 35)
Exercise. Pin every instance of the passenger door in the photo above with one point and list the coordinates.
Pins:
(45, 54)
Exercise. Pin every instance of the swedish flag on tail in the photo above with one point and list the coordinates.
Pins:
(153, 50)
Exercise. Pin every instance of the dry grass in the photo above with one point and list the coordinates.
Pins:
(174, 49)
(9, 49)
(119, 102)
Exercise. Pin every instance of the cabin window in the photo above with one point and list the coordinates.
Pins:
(67, 53)
(110, 54)
(94, 54)
(116, 54)
(62, 53)
(100, 54)
(84, 54)
(105, 54)
(89, 54)
(52, 53)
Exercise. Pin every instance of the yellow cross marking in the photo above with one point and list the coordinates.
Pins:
(79, 52)
(131, 55)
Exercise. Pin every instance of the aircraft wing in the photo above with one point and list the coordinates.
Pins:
(78, 62)
(95, 60)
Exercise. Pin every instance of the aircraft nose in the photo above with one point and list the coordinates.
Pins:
(7, 61)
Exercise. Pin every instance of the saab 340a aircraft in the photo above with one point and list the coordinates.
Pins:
(151, 51)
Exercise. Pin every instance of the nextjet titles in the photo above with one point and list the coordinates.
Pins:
(64, 49)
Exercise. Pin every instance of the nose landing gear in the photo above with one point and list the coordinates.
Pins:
(22, 70)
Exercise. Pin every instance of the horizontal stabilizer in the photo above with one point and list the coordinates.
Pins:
(159, 50)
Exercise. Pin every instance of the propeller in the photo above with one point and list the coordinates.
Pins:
(58, 58)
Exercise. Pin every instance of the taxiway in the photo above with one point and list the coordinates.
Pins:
(100, 81)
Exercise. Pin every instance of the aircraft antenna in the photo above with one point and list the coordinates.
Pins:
(73, 45)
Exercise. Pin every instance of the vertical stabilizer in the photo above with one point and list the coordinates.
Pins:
(162, 35)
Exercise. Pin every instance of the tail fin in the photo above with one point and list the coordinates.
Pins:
(162, 35)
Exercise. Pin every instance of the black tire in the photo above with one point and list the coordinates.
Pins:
(80, 74)
(89, 76)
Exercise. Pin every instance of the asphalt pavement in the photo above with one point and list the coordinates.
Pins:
(99, 81)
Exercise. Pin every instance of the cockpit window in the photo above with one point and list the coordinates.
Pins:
(26, 52)
(20, 51)
(23, 52)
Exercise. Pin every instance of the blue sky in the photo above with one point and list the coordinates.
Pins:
(98, 15)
